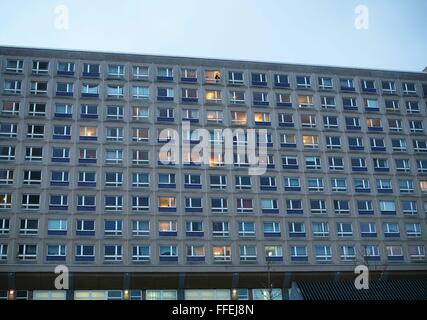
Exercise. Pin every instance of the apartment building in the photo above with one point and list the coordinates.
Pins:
(85, 183)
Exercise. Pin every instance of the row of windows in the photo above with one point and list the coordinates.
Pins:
(169, 158)
(286, 121)
(141, 203)
(191, 96)
(196, 228)
(211, 76)
(220, 253)
(146, 294)
(115, 112)
(193, 181)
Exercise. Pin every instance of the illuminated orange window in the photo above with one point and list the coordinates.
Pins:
(238, 117)
(212, 76)
(310, 141)
(262, 117)
(305, 101)
(88, 131)
(221, 253)
(167, 202)
(167, 226)
(213, 95)
(216, 160)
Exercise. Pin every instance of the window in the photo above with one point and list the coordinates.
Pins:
(409, 207)
(423, 185)
(339, 184)
(361, 185)
(64, 89)
(140, 180)
(259, 79)
(317, 206)
(344, 229)
(59, 178)
(402, 165)
(283, 100)
(371, 105)
(394, 253)
(299, 254)
(389, 87)
(352, 123)
(114, 113)
(167, 228)
(88, 111)
(305, 101)
(86, 203)
(368, 230)
(218, 182)
(140, 72)
(416, 126)
(10, 108)
(140, 113)
(88, 133)
(391, 230)
(368, 86)
(32, 177)
(292, 184)
(406, 186)
(323, 253)
(303, 82)
(281, 81)
(167, 202)
(330, 122)
(113, 179)
(336, 163)
(409, 88)
(194, 228)
(168, 252)
(220, 229)
(140, 92)
(260, 98)
(327, 102)
(85, 227)
(384, 186)
(140, 157)
(63, 111)
(113, 227)
(308, 121)
(191, 115)
(57, 227)
(5, 201)
(333, 143)
(310, 141)
(312, 163)
(3, 256)
(116, 71)
(4, 226)
(243, 182)
(341, 207)
(12, 86)
(87, 155)
(27, 252)
(221, 253)
(140, 227)
(15, 66)
(391, 106)
(235, 77)
(412, 107)
(315, 184)
(56, 252)
(246, 229)
(193, 204)
(417, 252)
(31, 153)
(65, 68)
(294, 206)
(244, 205)
(140, 203)
(387, 207)
(91, 70)
(247, 253)
(419, 145)
(214, 116)
(29, 226)
(364, 207)
(35, 131)
(40, 67)
(269, 206)
(347, 253)
(213, 96)
(325, 83)
(381, 164)
(8, 130)
(37, 109)
(62, 132)
(296, 229)
(115, 91)
(30, 201)
(320, 229)
(113, 156)
(271, 229)
(141, 253)
(113, 253)
(212, 76)
(347, 85)
(114, 134)
(113, 203)
(6, 176)
(374, 124)
(38, 88)
(398, 145)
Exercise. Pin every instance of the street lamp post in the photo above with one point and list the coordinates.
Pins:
(269, 284)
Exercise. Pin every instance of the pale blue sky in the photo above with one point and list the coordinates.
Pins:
(311, 31)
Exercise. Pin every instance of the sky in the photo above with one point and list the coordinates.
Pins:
(386, 34)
